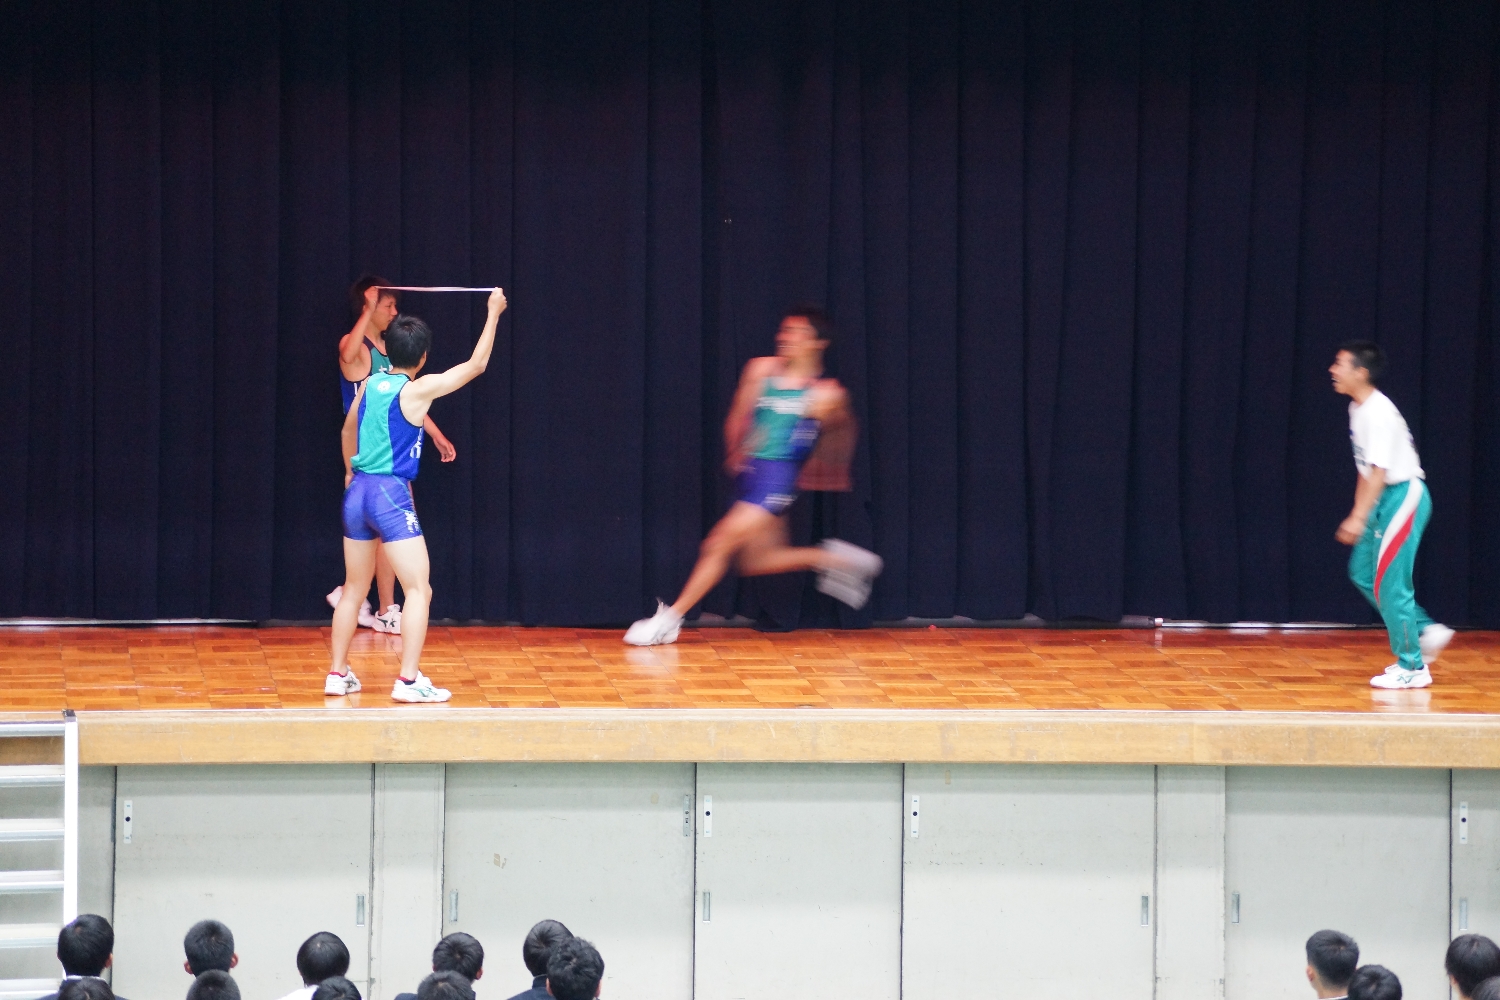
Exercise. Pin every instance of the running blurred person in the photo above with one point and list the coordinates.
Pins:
(788, 429)
(382, 449)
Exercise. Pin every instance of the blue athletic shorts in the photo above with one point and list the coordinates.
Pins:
(769, 483)
(379, 507)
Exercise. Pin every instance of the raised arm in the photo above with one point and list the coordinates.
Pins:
(354, 356)
(418, 396)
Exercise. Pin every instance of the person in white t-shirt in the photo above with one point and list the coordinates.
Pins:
(1391, 509)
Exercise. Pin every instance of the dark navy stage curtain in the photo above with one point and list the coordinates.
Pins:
(1089, 261)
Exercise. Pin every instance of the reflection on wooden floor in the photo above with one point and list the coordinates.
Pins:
(203, 667)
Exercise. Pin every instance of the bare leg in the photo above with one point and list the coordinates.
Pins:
(745, 526)
(769, 551)
(359, 566)
(409, 559)
(385, 581)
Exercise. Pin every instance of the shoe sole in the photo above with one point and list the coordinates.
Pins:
(664, 640)
(1426, 682)
(420, 701)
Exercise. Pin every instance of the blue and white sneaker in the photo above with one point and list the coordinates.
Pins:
(1400, 679)
(419, 691)
(338, 685)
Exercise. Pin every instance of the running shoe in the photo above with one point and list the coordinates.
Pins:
(660, 628)
(366, 619)
(338, 685)
(389, 620)
(420, 690)
(850, 580)
(1401, 679)
(1434, 640)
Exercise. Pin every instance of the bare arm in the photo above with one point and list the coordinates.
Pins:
(417, 397)
(1366, 493)
(445, 448)
(737, 423)
(349, 436)
(354, 356)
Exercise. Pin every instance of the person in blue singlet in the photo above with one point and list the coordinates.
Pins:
(382, 451)
(362, 354)
(789, 429)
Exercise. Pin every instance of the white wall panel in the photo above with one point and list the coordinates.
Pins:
(804, 871)
(276, 852)
(406, 910)
(1476, 854)
(1189, 883)
(1363, 851)
(598, 846)
(1013, 867)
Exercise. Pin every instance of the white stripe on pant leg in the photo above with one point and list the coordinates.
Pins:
(1404, 513)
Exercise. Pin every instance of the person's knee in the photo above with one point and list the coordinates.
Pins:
(417, 590)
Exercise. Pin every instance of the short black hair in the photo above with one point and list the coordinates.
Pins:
(460, 953)
(1487, 990)
(208, 945)
(574, 969)
(1368, 355)
(816, 316)
(357, 292)
(1374, 982)
(213, 985)
(84, 945)
(540, 940)
(1333, 956)
(1471, 959)
(336, 988)
(407, 340)
(445, 986)
(321, 957)
(86, 988)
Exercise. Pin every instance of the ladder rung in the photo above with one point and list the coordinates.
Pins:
(42, 881)
(31, 829)
(27, 989)
(32, 774)
(29, 935)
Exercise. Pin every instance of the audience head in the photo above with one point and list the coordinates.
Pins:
(460, 953)
(574, 970)
(322, 956)
(1487, 990)
(1471, 959)
(445, 986)
(209, 945)
(212, 985)
(1374, 982)
(546, 935)
(336, 988)
(87, 988)
(1331, 960)
(83, 946)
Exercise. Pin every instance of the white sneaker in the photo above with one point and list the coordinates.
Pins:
(1434, 640)
(419, 691)
(366, 619)
(388, 621)
(338, 685)
(660, 628)
(334, 595)
(857, 570)
(1401, 679)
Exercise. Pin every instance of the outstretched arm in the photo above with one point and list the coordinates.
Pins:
(417, 397)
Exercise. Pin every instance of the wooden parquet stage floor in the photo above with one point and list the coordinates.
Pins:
(101, 668)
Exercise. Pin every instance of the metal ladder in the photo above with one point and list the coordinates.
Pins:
(64, 881)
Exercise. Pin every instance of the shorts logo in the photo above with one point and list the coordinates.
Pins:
(411, 522)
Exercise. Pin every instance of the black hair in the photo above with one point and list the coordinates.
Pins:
(84, 944)
(1471, 959)
(407, 341)
(357, 292)
(87, 988)
(815, 316)
(208, 945)
(336, 988)
(322, 956)
(460, 953)
(540, 940)
(1333, 956)
(574, 969)
(1487, 990)
(213, 985)
(1366, 354)
(445, 986)
(1374, 982)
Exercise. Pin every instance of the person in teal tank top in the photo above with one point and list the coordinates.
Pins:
(782, 415)
(362, 354)
(382, 441)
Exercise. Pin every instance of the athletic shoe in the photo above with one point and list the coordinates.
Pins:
(857, 569)
(366, 619)
(660, 628)
(389, 620)
(1402, 680)
(338, 685)
(1434, 640)
(419, 691)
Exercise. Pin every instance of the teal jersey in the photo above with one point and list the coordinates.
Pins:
(378, 363)
(782, 432)
(389, 445)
